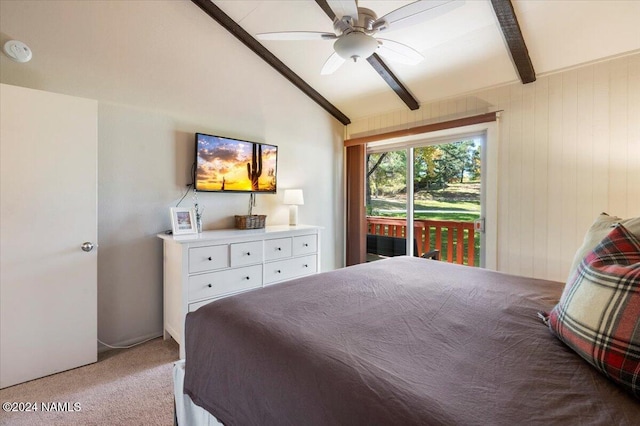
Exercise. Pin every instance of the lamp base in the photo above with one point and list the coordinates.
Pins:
(293, 215)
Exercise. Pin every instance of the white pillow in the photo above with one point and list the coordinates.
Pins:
(600, 229)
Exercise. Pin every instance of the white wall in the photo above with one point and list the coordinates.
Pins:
(153, 95)
(569, 149)
(144, 167)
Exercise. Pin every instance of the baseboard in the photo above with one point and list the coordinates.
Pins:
(129, 342)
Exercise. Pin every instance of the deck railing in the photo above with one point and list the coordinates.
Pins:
(455, 240)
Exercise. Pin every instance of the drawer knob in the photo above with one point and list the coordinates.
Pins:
(306, 245)
(306, 266)
(248, 253)
(278, 271)
(279, 249)
(209, 258)
(209, 285)
(246, 278)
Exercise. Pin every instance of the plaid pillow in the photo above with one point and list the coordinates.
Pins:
(598, 315)
(598, 230)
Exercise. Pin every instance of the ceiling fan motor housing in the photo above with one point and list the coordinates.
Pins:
(366, 19)
(357, 41)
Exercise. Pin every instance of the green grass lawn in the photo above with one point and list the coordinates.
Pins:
(465, 211)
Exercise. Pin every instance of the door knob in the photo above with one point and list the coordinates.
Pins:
(87, 246)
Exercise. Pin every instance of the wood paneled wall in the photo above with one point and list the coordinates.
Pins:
(569, 149)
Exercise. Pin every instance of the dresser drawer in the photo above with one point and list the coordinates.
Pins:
(277, 249)
(208, 258)
(290, 268)
(305, 244)
(216, 284)
(246, 253)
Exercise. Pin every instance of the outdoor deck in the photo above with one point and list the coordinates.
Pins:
(456, 241)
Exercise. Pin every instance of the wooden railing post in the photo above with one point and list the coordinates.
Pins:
(450, 245)
(471, 248)
(460, 246)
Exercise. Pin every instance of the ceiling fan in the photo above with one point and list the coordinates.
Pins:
(356, 29)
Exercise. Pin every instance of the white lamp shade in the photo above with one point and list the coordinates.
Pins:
(293, 197)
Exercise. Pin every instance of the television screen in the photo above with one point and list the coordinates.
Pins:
(232, 165)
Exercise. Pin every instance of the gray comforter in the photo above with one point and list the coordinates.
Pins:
(403, 341)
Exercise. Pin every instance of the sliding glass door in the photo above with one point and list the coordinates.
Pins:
(424, 198)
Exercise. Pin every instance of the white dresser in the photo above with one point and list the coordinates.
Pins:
(214, 264)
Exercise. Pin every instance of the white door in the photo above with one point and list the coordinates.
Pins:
(48, 209)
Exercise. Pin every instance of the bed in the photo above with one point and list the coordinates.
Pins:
(403, 341)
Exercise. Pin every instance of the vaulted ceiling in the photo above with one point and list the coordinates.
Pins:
(465, 49)
(169, 55)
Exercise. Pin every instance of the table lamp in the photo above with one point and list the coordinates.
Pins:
(294, 198)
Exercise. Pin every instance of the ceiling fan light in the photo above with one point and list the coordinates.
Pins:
(355, 45)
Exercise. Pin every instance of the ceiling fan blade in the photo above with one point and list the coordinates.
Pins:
(398, 52)
(332, 64)
(414, 13)
(296, 35)
(344, 8)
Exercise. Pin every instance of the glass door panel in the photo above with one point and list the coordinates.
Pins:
(447, 200)
(386, 204)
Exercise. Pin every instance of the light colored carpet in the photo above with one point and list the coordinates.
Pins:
(125, 387)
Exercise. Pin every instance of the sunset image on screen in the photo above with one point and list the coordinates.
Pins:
(233, 165)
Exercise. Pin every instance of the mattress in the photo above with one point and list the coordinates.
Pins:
(402, 341)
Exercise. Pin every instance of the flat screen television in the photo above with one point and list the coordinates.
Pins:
(233, 165)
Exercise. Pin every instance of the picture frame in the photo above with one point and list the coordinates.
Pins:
(183, 221)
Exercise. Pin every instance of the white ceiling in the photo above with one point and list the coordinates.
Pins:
(169, 55)
(464, 49)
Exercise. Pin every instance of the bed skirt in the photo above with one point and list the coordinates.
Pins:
(188, 413)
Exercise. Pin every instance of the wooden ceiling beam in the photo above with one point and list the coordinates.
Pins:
(381, 68)
(230, 25)
(394, 82)
(515, 41)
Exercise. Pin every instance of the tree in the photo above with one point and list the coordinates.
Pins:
(373, 162)
(453, 161)
(385, 171)
(425, 158)
(475, 164)
(435, 166)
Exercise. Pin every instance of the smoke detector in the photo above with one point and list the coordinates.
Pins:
(17, 51)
